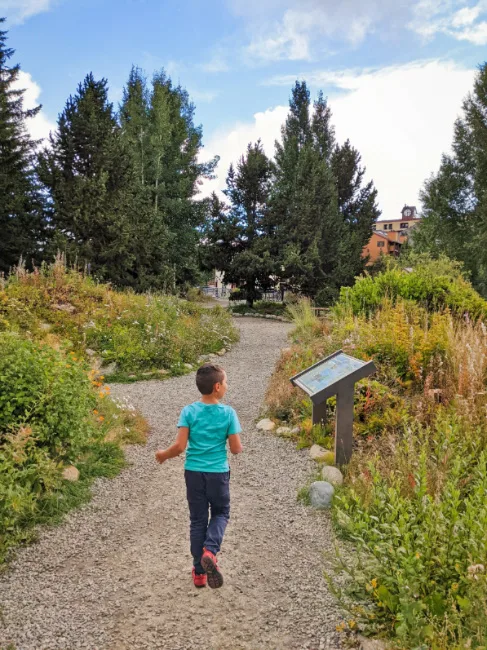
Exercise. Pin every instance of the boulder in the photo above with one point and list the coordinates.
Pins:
(71, 473)
(266, 425)
(321, 494)
(332, 475)
(317, 453)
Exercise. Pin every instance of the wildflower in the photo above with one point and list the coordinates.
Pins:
(95, 412)
(373, 582)
(352, 624)
(101, 395)
(417, 556)
(455, 586)
(101, 418)
(340, 627)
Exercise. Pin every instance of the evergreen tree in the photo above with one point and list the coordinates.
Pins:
(304, 215)
(21, 209)
(158, 124)
(151, 268)
(455, 199)
(236, 235)
(321, 211)
(90, 177)
(357, 202)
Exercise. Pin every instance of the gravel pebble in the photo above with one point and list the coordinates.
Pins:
(116, 575)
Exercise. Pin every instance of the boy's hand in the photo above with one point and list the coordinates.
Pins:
(161, 456)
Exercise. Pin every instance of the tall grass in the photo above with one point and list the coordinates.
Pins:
(414, 502)
(303, 317)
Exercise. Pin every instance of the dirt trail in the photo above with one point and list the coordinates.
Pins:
(116, 575)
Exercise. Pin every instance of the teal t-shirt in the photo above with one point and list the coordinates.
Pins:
(209, 427)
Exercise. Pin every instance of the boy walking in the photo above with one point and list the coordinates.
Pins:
(204, 428)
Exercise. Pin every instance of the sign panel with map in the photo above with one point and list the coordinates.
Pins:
(335, 375)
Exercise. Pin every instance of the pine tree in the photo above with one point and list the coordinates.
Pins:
(90, 178)
(21, 209)
(357, 202)
(303, 206)
(455, 199)
(236, 235)
(321, 210)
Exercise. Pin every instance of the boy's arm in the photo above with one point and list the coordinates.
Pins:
(177, 448)
(235, 443)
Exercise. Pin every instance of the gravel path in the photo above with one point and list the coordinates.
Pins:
(116, 574)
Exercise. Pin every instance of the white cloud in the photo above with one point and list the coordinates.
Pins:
(451, 17)
(39, 126)
(17, 11)
(399, 118)
(301, 29)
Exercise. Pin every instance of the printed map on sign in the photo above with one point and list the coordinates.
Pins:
(328, 373)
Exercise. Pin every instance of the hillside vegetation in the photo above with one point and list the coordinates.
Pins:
(139, 333)
(414, 500)
(57, 327)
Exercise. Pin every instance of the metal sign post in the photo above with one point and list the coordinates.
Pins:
(335, 375)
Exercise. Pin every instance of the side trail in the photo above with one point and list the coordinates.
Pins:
(117, 574)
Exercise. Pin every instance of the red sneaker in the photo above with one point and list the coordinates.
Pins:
(210, 565)
(199, 579)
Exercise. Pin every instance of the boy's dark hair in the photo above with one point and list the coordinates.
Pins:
(207, 376)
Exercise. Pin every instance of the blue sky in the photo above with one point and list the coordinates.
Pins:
(395, 72)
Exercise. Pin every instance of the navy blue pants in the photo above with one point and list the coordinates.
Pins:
(207, 491)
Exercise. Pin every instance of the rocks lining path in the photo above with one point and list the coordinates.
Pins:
(116, 575)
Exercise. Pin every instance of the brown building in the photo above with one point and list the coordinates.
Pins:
(389, 236)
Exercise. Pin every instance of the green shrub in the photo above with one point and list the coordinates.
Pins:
(435, 284)
(53, 413)
(43, 390)
(420, 530)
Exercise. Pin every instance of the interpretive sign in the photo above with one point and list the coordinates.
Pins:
(335, 375)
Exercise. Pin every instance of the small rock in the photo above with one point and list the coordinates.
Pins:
(296, 430)
(317, 453)
(188, 366)
(110, 369)
(147, 374)
(283, 431)
(221, 352)
(266, 425)
(90, 352)
(65, 307)
(321, 494)
(71, 473)
(45, 327)
(332, 475)
(163, 371)
(371, 644)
